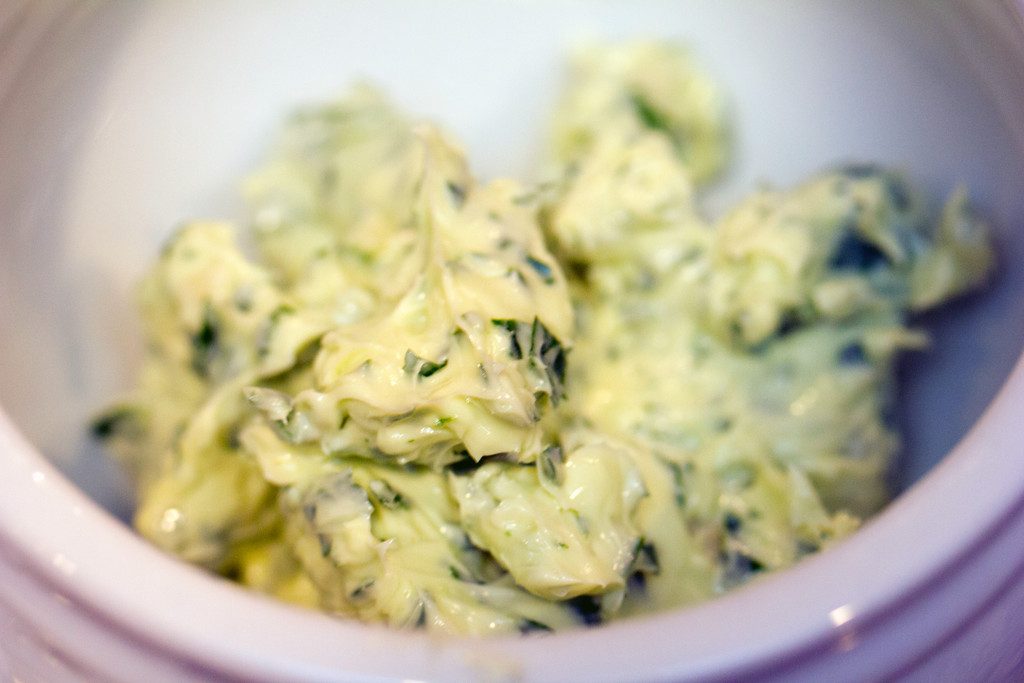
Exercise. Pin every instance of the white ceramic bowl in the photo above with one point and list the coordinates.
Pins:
(117, 121)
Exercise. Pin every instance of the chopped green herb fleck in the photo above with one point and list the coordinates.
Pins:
(512, 327)
(457, 194)
(650, 116)
(387, 496)
(678, 485)
(429, 368)
(267, 333)
(206, 344)
(529, 625)
(581, 522)
(543, 269)
(113, 421)
(551, 464)
(421, 620)
(422, 367)
(645, 557)
(361, 590)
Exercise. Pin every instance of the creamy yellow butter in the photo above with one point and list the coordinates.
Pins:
(481, 408)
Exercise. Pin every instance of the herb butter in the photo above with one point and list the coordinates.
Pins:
(479, 408)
